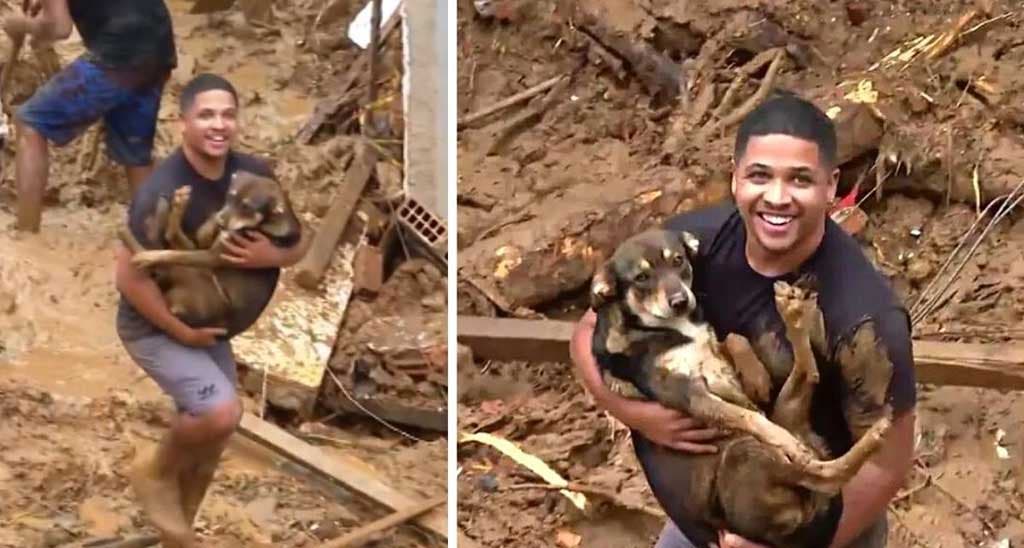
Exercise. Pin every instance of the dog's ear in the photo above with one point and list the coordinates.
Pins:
(691, 242)
(604, 286)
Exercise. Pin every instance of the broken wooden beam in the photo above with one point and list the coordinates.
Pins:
(981, 365)
(346, 470)
(995, 365)
(509, 339)
(364, 533)
(528, 93)
(311, 268)
(393, 410)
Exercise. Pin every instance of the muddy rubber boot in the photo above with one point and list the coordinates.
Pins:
(194, 485)
(160, 496)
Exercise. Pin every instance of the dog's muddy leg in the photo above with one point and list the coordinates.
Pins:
(793, 406)
(174, 234)
(199, 258)
(754, 378)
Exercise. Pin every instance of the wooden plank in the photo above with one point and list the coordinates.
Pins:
(292, 340)
(393, 410)
(510, 339)
(346, 470)
(992, 365)
(310, 269)
(995, 366)
(364, 533)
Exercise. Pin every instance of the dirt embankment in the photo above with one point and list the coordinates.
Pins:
(640, 126)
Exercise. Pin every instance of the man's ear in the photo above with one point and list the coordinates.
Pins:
(604, 286)
(691, 242)
(833, 185)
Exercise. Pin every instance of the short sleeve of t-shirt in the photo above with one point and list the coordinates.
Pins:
(892, 327)
(702, 223)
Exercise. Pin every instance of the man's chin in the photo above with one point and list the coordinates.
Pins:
(775, 246)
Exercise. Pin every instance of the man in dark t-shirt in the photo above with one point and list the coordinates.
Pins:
(778, 228)
(193, 364)
(130, 52)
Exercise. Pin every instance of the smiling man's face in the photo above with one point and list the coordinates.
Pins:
(210, 123)
(783, 190)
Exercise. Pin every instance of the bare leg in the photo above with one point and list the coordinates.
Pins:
(166, 481)
(137, 174)
(32, 163)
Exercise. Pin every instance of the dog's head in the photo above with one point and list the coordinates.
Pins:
(651, 275)
(252, 202)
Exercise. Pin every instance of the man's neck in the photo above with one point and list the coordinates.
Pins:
(209, 168)
(771, 265)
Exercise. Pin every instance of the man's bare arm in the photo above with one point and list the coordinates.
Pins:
(582, 354)
(867, 495)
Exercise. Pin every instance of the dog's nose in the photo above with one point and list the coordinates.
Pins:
(678, 302)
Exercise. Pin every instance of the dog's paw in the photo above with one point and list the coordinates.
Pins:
(181, 196)
(797, 306)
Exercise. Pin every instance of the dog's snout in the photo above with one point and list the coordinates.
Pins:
(679, 302)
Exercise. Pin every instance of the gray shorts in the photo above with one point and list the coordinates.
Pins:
(197, 379)
(875, 536)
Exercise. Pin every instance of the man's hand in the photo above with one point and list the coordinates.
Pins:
(732, 540)
(199, 337)
(17, 26)
(666, 426)
(254, 250)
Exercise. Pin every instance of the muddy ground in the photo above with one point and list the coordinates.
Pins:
(614, 147)
(75, 408)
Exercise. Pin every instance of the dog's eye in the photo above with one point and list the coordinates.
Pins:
(677, 260)
(642, 277)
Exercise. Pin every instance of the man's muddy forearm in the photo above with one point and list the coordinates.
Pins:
(582, 354)
(867, 495)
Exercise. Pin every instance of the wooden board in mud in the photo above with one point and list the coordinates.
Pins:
(994, 365)
(292, 341)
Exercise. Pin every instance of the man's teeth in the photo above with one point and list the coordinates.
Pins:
(777, 220)
(218, 139)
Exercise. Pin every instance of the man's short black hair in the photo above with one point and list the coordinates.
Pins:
(787, 114)
(204, 82)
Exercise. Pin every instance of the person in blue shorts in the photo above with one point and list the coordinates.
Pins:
(130, 53)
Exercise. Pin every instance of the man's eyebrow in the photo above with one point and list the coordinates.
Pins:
(754, 166)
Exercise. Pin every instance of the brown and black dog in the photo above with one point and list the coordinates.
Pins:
(200, 287)
(771, 475)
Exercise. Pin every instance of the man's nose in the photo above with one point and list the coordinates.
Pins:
(777, 193)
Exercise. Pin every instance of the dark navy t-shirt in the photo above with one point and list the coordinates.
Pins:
(207, 196)
(736, 299)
